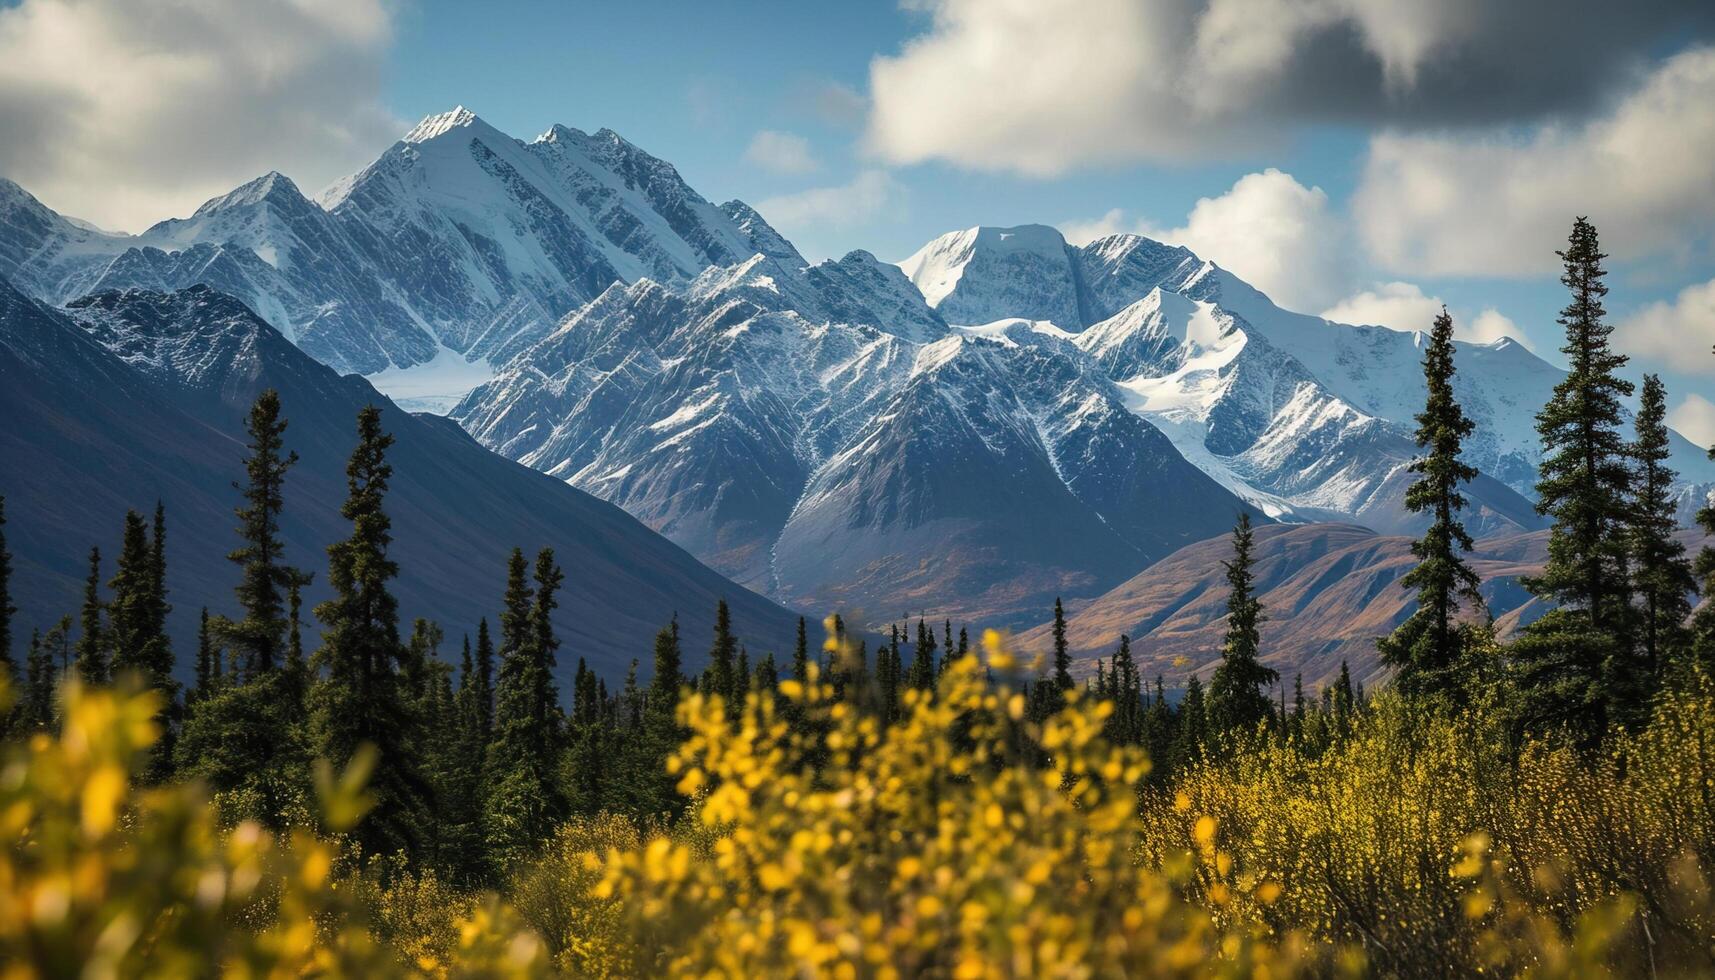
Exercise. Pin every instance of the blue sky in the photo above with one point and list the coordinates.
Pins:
(1348, 158)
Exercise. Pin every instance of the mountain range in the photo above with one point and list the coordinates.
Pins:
(134, 396)
(999, 419)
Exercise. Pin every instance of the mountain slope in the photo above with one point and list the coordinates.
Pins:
(822, 435)
(457, 237)
(1328, 591)
(137, 395)
(1305, 417)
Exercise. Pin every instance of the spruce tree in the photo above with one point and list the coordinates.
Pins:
(1427, 649)
(801, 654)
(1703, 622)
(8, 666)
(1193, 725)
(1062, 657)
(136, 627)
(1661, 573)
(922, 676)
(483, 696)
(92, 664)
(522, 801)
(208, 664)
(1236, 699)
(361, 697)
(723, 656)
(260, 636)
(36, 705)
(1576, 668)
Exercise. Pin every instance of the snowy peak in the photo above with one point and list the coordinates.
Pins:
(984, 274)
(272, 186)
(440, 124)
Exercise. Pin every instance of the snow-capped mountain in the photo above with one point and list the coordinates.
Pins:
(999, 419)
(822, 435)
(457, 238)
(1305, 417)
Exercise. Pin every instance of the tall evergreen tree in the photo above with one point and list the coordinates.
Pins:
(523, 801)
(92, 664)
(361, 697)
(723, 661)
(1192, 735)
(260, 636)
(1576, 667)
(1661, 572)
(922, 675)
(1236, 698)
(36, 705)
(208, 664)
(801, 654)
(1703, 622)
(8, 666)
(483, 693)
(1427, 649)
(1062, 655)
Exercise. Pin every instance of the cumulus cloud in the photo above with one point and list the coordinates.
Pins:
(781, 153)
(864, 197)
(1404, 306)
(1401, 305)
(1268, 229)
(124, 112)
(1499, 204)
(1694, 418)
(1040, 87)
(1676, 333)
(1489, 326)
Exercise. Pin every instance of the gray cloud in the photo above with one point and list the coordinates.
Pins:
(1042, 87)
(127, 111)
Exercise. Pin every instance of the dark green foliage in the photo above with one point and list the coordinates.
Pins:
(361, 696)
(1661, 573)
(36, 706)
(1121, 684)
(1577, 667)
(1236, 699)
(523, 801)
(1062, 655)
(801, 655)
(259, 636)
(922, 676)
(1703, 623)
(8, 666)
(1428, 649)
(92, 640)
(723, 662)
(208, 660)
(1192, 734)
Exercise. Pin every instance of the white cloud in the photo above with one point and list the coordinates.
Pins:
(1500, 204)
(1268, 229)
(781, 153)
(1694, 418)
(1400, 305)
(1115, 222)
(124, 112)
(1275, 234)
(867, 195)
(1491, 325)
(1039, 87)
(1404, 306)
(1677, 333)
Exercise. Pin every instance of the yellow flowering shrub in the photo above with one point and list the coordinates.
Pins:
(1430, 843)
(101, 879)
(922, 848)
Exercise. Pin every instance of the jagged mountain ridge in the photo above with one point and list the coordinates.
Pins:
(133, 396)
(456, 237)
(1304, 416)
(821, 434)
